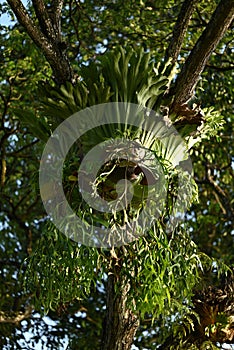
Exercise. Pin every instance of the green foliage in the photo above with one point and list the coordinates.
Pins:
(56, 271)
(93, 28)
(128, 76)
(20, 209)
(210, 128)
(164, 272)
(161, 277)
(60, 271)
(123, 75)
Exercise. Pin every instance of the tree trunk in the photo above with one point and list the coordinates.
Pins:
(120, 324)
(208, 41)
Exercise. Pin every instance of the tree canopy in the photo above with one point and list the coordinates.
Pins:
(167, 289)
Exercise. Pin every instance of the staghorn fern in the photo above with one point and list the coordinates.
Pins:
(125, 76)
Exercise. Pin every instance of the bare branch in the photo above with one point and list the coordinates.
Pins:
(49, 18)
(220, 69)
(195, 63)
(25, 20)
(55, 15)
(44, 19)
(180, 29)
(51, 49)
(15, 317)
(19, 153)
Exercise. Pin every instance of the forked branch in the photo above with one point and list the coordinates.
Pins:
(48, 37)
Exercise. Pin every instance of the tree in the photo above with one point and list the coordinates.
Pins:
(68, 36)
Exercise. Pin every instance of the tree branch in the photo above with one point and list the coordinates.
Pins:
(220, 69)
(49, 42)
(180, 29)
(195, 63)
(55, 15)
(44, 19)
(15, 317)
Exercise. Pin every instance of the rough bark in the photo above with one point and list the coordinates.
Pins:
(180, 29)
(208, 41)
(120, 324)
(48, 37)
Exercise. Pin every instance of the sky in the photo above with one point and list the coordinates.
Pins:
(5, 19)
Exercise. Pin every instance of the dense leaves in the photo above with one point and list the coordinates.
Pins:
(67, 280)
